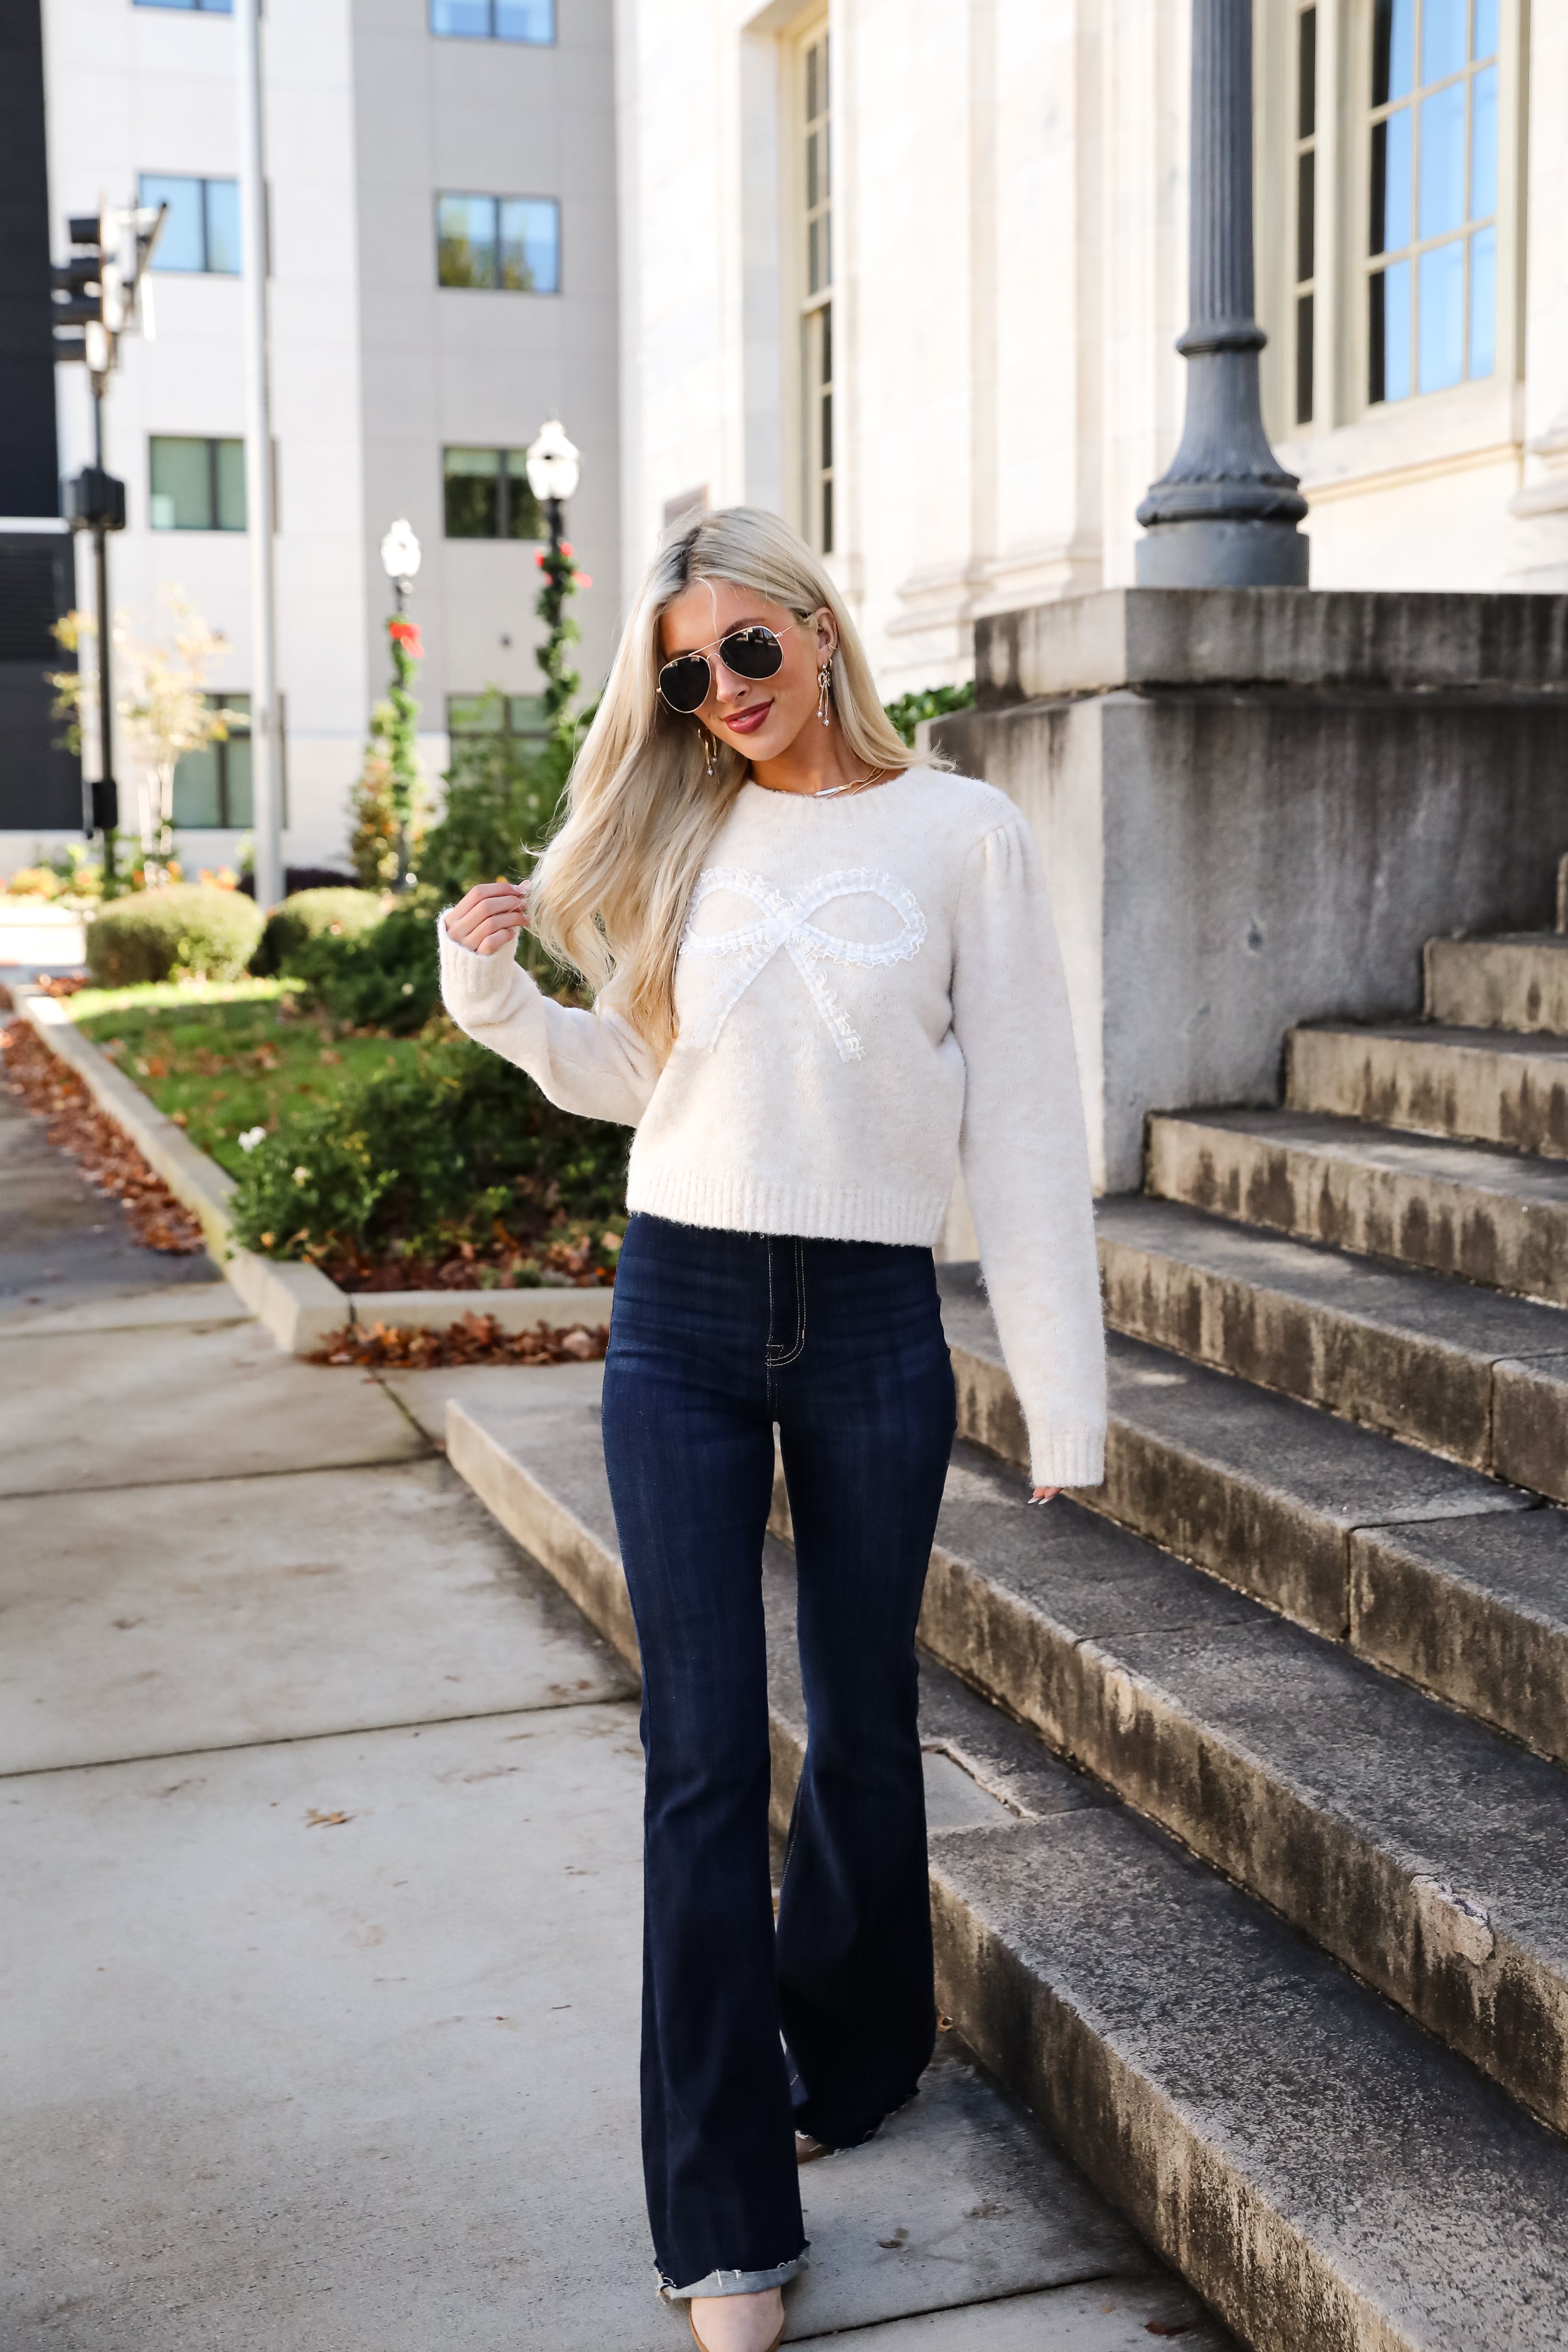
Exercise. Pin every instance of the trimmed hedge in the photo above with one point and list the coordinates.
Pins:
(184, 929)
(386, 977)
(306, 915)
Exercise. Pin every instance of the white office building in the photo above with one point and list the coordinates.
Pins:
(440, 185)
(913, 274)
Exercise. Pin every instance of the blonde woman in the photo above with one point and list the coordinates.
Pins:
(825, 977)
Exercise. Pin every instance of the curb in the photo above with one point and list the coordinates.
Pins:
(298, 1305)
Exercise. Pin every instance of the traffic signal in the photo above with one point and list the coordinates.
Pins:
(98, 288)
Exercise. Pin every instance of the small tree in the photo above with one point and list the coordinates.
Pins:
(161, 705)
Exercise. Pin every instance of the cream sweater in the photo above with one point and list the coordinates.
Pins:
(868, 994)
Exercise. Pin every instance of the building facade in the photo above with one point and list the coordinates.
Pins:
(913, 274)
(443, 279)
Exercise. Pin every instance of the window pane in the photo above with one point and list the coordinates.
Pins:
(460, 20)
(525, 715)
(1392, 49)
(530, 245)
(236, 766)
(1486, 29)
(1483, 303)
(1443, 29)
(230, 470)
(197, 793)
(1443, 159)
(1306, 213)
(1304, 360)
(1389, 333)
(182, 245)
(223, 226)
(181, 484)
(1483, 145)
(466, 240)
(1442, 317)
(524, 519)
(525, 20)
(473, 714)
(813, 105)
(1391, 183)
(473, 493)
(813, 193)
(1307, 74)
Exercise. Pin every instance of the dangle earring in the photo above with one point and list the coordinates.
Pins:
(710, 749)
(824, 682)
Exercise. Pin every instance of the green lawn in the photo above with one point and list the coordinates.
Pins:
(222, 1057)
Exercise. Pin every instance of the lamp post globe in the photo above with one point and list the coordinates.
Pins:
(400, 557)
(554, 468)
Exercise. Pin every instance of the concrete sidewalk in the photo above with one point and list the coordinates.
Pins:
(319, 1832)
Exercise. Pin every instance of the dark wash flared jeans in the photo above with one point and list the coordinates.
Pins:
(824, 2024)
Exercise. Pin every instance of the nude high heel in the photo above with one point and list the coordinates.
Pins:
(703, 2347)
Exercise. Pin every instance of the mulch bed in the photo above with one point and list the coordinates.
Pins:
(106, 1156)
(473, 1339)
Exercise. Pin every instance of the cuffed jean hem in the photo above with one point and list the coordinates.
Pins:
(730, 2282)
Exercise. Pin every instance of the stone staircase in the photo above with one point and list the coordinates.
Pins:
(1249, 1772)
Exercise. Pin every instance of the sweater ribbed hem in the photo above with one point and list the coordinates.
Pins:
(737, 1202)
(1068, 1457)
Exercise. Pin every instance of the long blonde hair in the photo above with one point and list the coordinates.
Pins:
(611, 893)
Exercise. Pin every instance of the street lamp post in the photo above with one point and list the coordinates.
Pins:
(1226, 514)
(400, 560)
(553, 464)
(266, 748)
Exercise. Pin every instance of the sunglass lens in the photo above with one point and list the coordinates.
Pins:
(684, 683)
(752, 652)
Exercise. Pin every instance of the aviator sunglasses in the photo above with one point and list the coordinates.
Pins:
(753, 653)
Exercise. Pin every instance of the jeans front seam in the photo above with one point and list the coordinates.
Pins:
(777, 1363)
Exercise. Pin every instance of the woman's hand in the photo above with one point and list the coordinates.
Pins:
(1045, 1494)
(489, 917)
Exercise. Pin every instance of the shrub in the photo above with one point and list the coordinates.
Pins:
(168, 933)
(385, 977)
(341, 913)
(934, 702)
(415, 1156)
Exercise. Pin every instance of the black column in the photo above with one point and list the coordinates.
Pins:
(41, 784)
(1224, 516)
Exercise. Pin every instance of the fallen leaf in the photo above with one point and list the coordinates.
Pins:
(318, 1821)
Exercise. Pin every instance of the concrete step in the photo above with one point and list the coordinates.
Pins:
(1452, 1583)
(1322, 2171)
(1483, 1086)
(1492, 1217)
(1519, 980)
(1470, 1373)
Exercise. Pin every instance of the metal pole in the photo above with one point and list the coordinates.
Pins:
(1224, 516)
(265, 766)
(552, 511)
(102, 810)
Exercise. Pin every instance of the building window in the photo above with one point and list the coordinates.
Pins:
(1306, 244)
(202, 231)
(196, 485)
(817, 309)
(487, 495)
(212, 786)
(1433, 283)
(494, 20)
(485, 717)
(511, 242)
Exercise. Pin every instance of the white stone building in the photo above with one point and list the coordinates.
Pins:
(385, 379)
(913, 273)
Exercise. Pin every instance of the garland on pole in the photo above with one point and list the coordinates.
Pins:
(401, 736)
(561, 582)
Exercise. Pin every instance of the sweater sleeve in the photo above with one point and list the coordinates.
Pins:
(593, 1063)
(1024, 1155)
